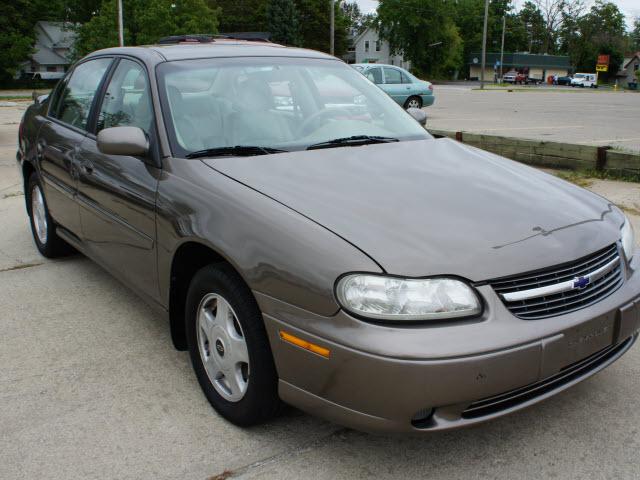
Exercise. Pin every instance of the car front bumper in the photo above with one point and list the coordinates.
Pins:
(378, 378)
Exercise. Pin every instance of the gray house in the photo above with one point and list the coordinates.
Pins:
(630, 65)
(54, 41)
(368, 47)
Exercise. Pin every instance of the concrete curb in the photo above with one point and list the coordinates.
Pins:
(550, 154)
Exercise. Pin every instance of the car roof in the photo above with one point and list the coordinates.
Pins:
(375, 65)
(217, 48)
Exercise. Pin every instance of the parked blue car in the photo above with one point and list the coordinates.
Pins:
(404, 88)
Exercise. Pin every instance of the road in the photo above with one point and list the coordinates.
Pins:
(593, 117)
(91, 388)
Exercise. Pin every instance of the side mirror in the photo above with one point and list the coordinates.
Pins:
(130, 141)
(418, 115)
(39, 99)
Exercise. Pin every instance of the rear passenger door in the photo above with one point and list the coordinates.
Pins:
(61, 136)
(394, 86)
(117, 193)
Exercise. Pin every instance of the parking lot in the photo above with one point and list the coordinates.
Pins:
(91, 387)
(564, 114)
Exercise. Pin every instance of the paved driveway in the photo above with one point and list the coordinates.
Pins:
(90, 388)
(563, 114)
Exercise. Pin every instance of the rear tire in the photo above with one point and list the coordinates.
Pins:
(413, 102)
(43, 227)
(222, 315)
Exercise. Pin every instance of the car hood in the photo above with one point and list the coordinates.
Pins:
(435, 207)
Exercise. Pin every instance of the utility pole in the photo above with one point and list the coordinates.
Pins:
(332, 27)
(120, 28)
(504, 25)
(484, 43)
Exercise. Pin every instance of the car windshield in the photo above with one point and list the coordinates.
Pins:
(274, 103)
(580, 75)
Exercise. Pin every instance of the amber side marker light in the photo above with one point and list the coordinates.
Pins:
(312, 347)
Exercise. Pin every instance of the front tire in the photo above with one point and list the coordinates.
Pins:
(413, 102)
(43, 227)
(229, 348)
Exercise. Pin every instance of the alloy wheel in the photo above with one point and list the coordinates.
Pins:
(39, 214)
(222, 347)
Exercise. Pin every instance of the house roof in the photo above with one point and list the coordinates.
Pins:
(60, 34)
(362, 34)
(628, 60)
(46, 56)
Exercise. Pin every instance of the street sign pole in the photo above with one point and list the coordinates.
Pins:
(484, 43)
(332, 28)
(120, 27)
(504, 25)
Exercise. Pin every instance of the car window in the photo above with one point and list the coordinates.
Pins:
(127, 101)
(277, 102)
(78, 94)
(392, 76)
(405, 78)
(375, 75)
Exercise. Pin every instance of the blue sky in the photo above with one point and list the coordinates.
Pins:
(631, 8)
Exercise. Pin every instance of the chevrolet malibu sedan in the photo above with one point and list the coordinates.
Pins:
(320, 252)
(402, 86)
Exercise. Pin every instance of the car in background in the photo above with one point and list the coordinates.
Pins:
(585, 80)
(520, 78)
(404, 88)
(566, 80)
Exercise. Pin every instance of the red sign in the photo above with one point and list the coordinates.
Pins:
(603, 59)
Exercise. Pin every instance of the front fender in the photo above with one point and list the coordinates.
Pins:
(277, 251)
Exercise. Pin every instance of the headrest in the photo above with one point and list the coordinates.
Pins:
(255, 94)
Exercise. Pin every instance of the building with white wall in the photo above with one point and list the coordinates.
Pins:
(368, 47)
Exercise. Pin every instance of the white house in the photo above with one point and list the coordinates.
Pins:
(54, 41)
(369, 48)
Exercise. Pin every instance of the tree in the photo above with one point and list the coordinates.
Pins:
(358, 21)
(145, 21)
(314, 25)
(533, 23)
(424, 31)
(242, 15)
(17, 31)
(282, 22)
(635, 34)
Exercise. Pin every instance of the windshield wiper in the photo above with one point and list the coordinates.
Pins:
(353, 141)
(237, 151)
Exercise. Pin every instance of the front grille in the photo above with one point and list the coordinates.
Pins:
(550, 305)
(569, 374)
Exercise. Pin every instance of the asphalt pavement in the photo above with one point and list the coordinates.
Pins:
(91, 388)
(557, 113)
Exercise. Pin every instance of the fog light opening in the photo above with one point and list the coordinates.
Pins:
(422, 418)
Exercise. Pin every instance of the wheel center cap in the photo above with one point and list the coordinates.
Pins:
(219, 348)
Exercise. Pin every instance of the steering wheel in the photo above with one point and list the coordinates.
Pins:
(325, 112)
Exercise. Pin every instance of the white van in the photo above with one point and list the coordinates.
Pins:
(585, 80)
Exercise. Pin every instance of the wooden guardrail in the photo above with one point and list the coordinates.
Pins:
(550, 154)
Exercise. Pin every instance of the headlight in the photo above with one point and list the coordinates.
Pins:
(628, 240)
(389, 298)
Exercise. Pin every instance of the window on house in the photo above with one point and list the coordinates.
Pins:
(366, 45)
(377, 45)
(52, 69)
